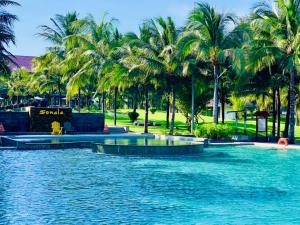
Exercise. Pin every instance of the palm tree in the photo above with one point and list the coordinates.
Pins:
(206, 37)
(164, 38)
(50, 66)
(48, 76)
(62, 27)
(142, 60)
(7, 35)
(281, 19)
(89, 53)
(17, 84)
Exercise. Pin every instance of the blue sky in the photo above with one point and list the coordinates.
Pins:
(130, 14)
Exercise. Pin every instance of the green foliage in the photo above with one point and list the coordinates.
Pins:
(7, 35)
(133, 116)
(215, 132)
(238, 103)
(153, 110)
(203, 95)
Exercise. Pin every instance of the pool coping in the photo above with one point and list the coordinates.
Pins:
(12, 143)
(257, 144)
(9, 143)
(84, 140)
(143, 150)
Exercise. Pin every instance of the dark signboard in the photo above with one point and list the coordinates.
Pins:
(41, 119)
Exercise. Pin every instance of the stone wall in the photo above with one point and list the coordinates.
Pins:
(88, 122)
(15, 121)
(82, 122)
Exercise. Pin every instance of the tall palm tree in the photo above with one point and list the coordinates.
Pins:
(50, 65)
(7, 35)
(17, 84)
(62, 27)
(48, 76)
(164, 39)
(140, 56)
(206, 35)
(281, 19)
(89, 53)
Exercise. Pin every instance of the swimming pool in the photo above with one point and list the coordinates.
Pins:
(225, 185)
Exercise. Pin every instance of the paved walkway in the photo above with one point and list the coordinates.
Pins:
(279, 147)
(261, 145)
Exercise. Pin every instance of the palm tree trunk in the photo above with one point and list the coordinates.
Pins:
(146, 110)
(193, 104)
(168, 112)
(292, 107)
(223, 107)
(79, 100)
(135, 104)
(274, 112)
(278, 112)
(287, 119)
(173, 111)
(115, 106)
(59, 94)
(297, 117)
(99, 103)
(103, 103)
(216, 97)
(51, 97)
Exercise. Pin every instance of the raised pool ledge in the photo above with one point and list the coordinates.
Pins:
(125, 144)
(144, 150)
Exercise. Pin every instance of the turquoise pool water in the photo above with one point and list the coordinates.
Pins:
(230, 185)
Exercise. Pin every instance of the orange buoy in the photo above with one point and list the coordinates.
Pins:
(284, 141)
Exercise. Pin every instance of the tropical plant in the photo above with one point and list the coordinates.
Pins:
(133, 116)
(62, 27)
(277, 25)
(17, 84)
(89, 54)
(48, 77)
(206, 37)
(216, 132)
(50, 72)
(7, 35)
(165, 38)
(141, 59)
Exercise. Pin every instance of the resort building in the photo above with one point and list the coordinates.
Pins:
(22, 62)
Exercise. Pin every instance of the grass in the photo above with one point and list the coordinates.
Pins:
(158, 117)
(181, 127)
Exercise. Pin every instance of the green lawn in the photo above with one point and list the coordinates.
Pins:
(181, 128)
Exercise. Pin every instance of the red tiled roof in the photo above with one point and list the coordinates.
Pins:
(21, 61)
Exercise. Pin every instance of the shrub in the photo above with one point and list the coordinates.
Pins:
(153, 110)
(133, 116)
(216, 132)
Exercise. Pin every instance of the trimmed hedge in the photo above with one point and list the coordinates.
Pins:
(153, 110)
(215, 132)
(133, 116)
